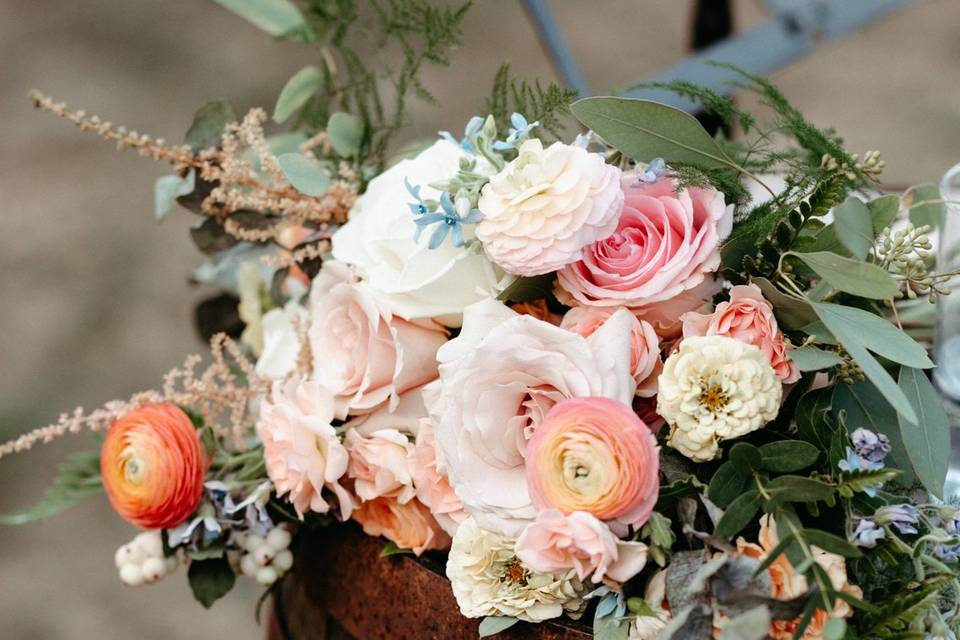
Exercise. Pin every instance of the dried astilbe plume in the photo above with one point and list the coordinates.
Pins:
(218, 394)
(238, 184)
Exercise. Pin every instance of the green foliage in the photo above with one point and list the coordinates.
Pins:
(898, 613)
(848, 275)
(210, 579)
(548, 105)
(391, 549)
(304, 173)
(492, 625)
(862, 479)
(208, 124)
(928, 440)
(710, 102)
(78, 478)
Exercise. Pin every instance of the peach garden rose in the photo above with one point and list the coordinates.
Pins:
(379, 465)
(409, 525)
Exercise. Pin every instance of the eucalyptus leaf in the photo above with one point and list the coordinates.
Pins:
(210, 579)
(167, 189)
(345, 132)
(832, 543)
(930, 213)
(296, 92)
(492, 625)
(738, 515)
(791, 312)
(208, 124)
(727, 483)
(785, 456)
(644, 130)
(928, 441)
(276, 17)
(854, 226)
(811, 358)
(849, 275)
(883, 211)
(305, 174)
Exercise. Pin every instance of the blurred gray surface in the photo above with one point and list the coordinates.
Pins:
(95, 303)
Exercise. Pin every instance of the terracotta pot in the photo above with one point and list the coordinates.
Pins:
(341, 588)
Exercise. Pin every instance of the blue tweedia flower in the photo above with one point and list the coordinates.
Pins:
(450, 220)
(871, 447)
(652, 172)
(419, 207)
(853, 462)
(902, 516)
(519, 132)
(867, 534)
(947, 552)
(470, 131)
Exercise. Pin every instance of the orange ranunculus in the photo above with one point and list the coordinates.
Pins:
(153, 466)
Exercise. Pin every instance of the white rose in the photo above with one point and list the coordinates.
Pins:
(716, 388)
(548, 204)
(498, 379)
(281, 343)
(417, 282)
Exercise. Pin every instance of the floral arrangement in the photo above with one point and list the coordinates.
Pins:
(665, 379)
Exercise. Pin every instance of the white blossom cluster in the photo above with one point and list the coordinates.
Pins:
(266, 558)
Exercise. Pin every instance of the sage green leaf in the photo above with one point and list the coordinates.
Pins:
(276, 17)
(785, 456)
(798, 489)
(78, 478)
(819, 332)
(849, 275)
(865, 406)
(811, 358)
(811, 416)
(297, 92)
(832, 543)
(854, 227)
(391, 549)
(528, 289)
(208, 124)
(738, 515)
(745, 457)
(727, 483)
(791, 312)
(928, 441)
(210, 579)
(167, 189)
(930, 213)
(644, 130)
(883, 211)
(835, 629)
(492, 625)
(345, 132)
(305, 174)
(874, 332)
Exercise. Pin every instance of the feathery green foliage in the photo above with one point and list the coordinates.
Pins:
(548, 105)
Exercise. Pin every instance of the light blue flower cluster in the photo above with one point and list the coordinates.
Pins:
(449, 219)
(652, 172)
(903, 517)
(868, 453)
(519, 132)
(470, 132)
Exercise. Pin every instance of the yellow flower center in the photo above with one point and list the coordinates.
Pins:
(714, 398)
(515, 573)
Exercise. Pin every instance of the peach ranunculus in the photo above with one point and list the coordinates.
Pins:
(546, 205)
(363, 353)
(498, 379)
(645, 362)
(579, 541)
(787, 583)
(747, 317)
(301, 448)
(433, 488)
(595, 455)
(666, 242)
(153, 466)
(379, 465)
(409, 525)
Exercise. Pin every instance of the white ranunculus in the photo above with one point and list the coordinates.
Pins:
(281, 344)
(498, 379)
(716, 388)
(378, 239)
(489, 580)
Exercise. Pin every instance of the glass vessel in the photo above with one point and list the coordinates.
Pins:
(946, 375)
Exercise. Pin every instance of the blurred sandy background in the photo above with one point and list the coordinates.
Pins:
(95, 302)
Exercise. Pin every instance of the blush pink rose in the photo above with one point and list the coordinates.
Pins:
(666, 242)
(579, 541)
(363, 353)
(645, 362)
(433, 488)
(747, 317)
(594, 454)
(378, 465)
(409, 525)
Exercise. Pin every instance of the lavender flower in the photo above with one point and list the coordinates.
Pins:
(952, 524)
(902, 516)
(652, 172)
(871, 447)
(867, 534)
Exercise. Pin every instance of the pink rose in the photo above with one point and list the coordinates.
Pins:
(645, 363)
(301, 449)
(433, 488)
(363, 353)
(594, 454)
(579, 541)
(408, 525)
(665, 243)
(749, 318)
(378, 465)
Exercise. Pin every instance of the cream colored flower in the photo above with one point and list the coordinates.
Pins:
(489, 580)
(545, 206)
(716, 388)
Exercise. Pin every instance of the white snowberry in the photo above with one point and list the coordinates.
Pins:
(267, 576)
(283, 560)
(141, 561)
(279, 538)
(131, 575)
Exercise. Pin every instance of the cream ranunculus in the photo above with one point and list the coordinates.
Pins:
(545, 206)
(498, 379)
(378, 239)
(489, 580)
(716, 388)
